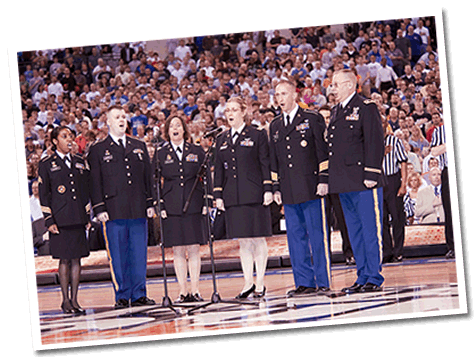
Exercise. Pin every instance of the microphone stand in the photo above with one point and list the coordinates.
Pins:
(202, 174)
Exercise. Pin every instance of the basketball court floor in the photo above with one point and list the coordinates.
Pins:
(414, 287)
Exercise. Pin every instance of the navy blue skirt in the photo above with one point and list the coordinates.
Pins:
(248, 221)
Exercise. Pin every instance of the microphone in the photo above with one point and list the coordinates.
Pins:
(213, 132)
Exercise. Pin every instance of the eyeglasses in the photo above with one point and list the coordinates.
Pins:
(336, 85)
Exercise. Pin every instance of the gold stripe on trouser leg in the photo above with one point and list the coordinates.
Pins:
(114, 281)
(326, 240)
(378, 224)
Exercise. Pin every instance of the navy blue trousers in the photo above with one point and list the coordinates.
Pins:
(126, 245)
(307, 237)
(363, 212)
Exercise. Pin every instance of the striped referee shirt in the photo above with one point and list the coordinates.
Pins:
(395, 157)
(438, 138)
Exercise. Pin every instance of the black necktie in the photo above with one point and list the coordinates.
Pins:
(67, 161)
(339, 109)
(178, 149)
(287, 121)
(235, 135)
(121, 144)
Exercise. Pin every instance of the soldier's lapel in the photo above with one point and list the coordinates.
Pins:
(128, 146)
(296, 121)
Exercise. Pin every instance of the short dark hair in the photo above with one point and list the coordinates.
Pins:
(186, 134)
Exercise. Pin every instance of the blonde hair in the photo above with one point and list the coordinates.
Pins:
(243, 106)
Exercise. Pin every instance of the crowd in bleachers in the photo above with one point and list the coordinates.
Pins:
(396, 63)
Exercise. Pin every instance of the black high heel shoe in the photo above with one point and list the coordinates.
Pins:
(67, 308)
(259, 294)
(246, 293)
(77, 309)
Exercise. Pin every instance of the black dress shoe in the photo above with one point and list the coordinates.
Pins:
(143, 301)
(355, 288)
(397, 259)
(181, 299)
(323, 290)
(350, 261)
(387, 259)
(259, 294)
(196, 297)
(370, 287)
(246, 293)
(121, 304)
(67, 307)
(450, 254)
(301, 290)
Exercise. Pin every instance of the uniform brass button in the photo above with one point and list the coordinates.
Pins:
(333, 127)
(73, 190)
(288, 147)
(74, 197)
(181, 184)
(331, 135)
(126, 159)
(330, 153)
(289, 156)
(128, 173)
(287, 138)
(70, 175)
(127, 167)
(130, 182)
(330, 144)
(290, 165)
(72, 182)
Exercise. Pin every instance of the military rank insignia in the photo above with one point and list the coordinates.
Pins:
(191, 158)
(247, 142)
(355, 115)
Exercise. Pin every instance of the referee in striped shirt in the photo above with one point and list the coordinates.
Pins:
(395, 169)
(438, 148)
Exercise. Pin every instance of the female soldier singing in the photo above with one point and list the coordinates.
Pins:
(179, 162)
(243, 189)
(64, 197)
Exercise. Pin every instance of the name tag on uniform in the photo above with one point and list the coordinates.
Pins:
(354, 116)
(223, 147)
(169, 160)
(247, 142)
(107, 156)
(54, 167)
(191, 158)
(302, 127)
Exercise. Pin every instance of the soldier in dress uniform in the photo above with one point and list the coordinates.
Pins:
(243, 190)
(299, 168)
(178, 164)
(356, 149)
(122, 199)
(64, 198)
